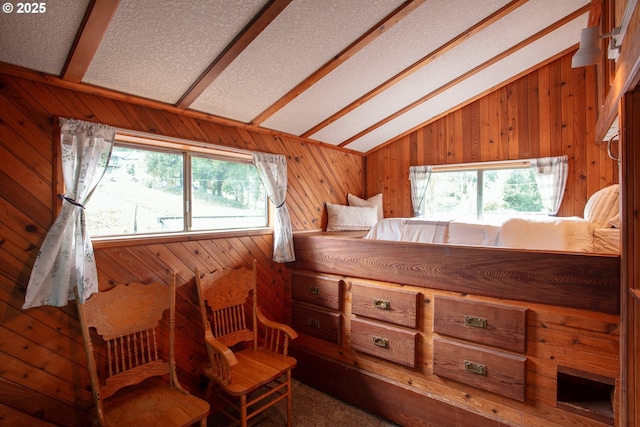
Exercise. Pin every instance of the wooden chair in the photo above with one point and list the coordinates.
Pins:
(259, 365)
(126, 320)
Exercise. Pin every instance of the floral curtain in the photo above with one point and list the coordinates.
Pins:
(551, 177)
(65, 261)
(272, 169)
(419, 177)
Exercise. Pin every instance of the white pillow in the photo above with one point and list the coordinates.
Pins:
(603, 206)
(344, 218)
(371, 201)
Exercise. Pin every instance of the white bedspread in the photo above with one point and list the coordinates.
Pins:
(569, 234)
(566, 234)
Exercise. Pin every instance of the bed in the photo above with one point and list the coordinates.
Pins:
(596, 232)
(579, 269)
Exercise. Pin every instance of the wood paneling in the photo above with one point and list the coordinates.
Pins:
(43, 373)
(549, 112)
(630, 308)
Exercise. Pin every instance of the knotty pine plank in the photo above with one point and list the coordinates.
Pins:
(42, 99)
(15, 244)
(13, 417)
(19, 126)
(70, 368)
(27, 102)
(493, 100)
(110, 270)
(473, 130)
(504, 124)
(586, 346)
(26, 154)
(35, 406)
(14, 218)
(32, 200)
(23, 374)
(31, 124)
(37, 331)
(513, 124)
(533, 111)
(74, 108)
(544, 112)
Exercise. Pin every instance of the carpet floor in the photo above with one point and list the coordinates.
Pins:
(310, 408)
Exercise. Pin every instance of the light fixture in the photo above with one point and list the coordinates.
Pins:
(589, 52)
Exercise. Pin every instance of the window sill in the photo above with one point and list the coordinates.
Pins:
(147, 239)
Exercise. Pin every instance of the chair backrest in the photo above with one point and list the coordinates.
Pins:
(127, 319)
(225, 296)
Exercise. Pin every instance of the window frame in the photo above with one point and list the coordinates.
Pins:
(187, 149)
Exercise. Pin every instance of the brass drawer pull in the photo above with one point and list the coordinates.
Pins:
(381, 342)
(382, 304)
(475, 322)
(475, 368)
(313, 323)
(314, 290)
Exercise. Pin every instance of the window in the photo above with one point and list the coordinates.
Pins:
(490, 192)
(167, 187)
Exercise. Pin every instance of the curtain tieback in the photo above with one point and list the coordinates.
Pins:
(280, 205)
(70, 200)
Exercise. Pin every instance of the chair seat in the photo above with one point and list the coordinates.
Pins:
(255, 368)
(157, 406)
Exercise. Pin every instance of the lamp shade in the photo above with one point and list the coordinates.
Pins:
(589, 52)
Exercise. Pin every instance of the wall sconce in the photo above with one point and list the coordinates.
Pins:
(589, 51)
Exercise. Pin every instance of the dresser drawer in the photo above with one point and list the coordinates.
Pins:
(319, 323)
(384, 341)
(399, 306)
(492, 370)
(496, 325)
(317, 289)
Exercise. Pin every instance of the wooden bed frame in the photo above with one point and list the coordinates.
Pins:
(587, 281)
(387, 325)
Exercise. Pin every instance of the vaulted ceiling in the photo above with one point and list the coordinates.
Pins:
(350, 73)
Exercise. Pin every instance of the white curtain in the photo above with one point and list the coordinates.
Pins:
(66, 261)
(272, 169)
(419, 177)
(551, 176)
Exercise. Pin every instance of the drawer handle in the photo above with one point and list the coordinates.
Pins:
(475, 322)
(314, 290)
(382, 304)
(475, 368)
(381, 342)
(313, 323)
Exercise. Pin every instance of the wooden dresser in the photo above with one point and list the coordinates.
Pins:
(423, 356)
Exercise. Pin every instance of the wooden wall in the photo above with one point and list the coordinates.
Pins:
(549, 112)
(42, 362)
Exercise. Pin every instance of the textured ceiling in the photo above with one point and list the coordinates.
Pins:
(353, 73)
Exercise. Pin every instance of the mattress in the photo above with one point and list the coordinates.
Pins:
(566, 234)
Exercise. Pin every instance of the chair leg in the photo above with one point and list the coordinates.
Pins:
(288, 398)
(243, 410)
(203, 422)
(210, 386)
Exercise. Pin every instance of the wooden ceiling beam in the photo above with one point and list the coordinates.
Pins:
(92, 31)
(380, 28)
(466, 75)
(231, 52)
(418, 65)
